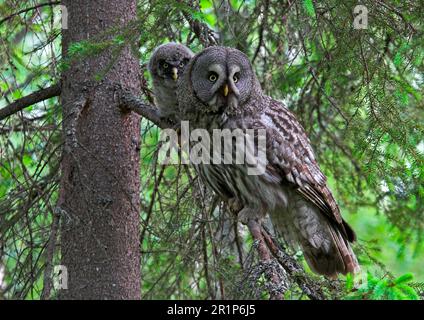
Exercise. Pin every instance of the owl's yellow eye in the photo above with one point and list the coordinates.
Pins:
(165, 65)
(213, 77)
(236, 78)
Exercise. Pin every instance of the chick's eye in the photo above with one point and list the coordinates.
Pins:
(236, 78)
(181, 64)
(165, 65)
(213, 77)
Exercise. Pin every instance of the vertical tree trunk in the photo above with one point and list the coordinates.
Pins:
(99, 197)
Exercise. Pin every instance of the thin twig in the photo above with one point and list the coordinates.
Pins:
(29, 9)
(200, 29)
(50, 250)
(262, 29)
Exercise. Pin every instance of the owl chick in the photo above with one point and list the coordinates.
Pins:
(219, 90)
(166, 65)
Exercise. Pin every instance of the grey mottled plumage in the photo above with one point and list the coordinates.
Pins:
(166, 65)
(219, 89)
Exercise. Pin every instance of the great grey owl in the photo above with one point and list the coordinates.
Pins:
(219, 90)
(166, 65)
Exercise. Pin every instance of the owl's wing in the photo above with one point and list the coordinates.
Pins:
(291, 158)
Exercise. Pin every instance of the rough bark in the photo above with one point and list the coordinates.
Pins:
(99, 196)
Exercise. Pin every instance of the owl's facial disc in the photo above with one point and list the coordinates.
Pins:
(171, 70)
(222, 78)
(224, 88)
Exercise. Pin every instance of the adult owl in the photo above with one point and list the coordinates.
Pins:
(166, 65)
(219, 90)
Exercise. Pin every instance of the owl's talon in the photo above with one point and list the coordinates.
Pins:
(235, 206)
(245, 215)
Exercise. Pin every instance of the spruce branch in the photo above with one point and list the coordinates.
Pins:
(29, 100)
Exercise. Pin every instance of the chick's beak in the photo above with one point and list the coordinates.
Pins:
(174, 73)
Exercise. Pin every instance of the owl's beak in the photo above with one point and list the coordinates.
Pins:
(174, 73)
(226, 90)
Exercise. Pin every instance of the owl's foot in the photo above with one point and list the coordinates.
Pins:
(247, 214)
(234, 205)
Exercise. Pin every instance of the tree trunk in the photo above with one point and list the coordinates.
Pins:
(99, 196)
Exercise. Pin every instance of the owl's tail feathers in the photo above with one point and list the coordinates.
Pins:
(333, 257)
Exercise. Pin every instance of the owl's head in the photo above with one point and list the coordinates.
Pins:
(168, 62)
(222, 78)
